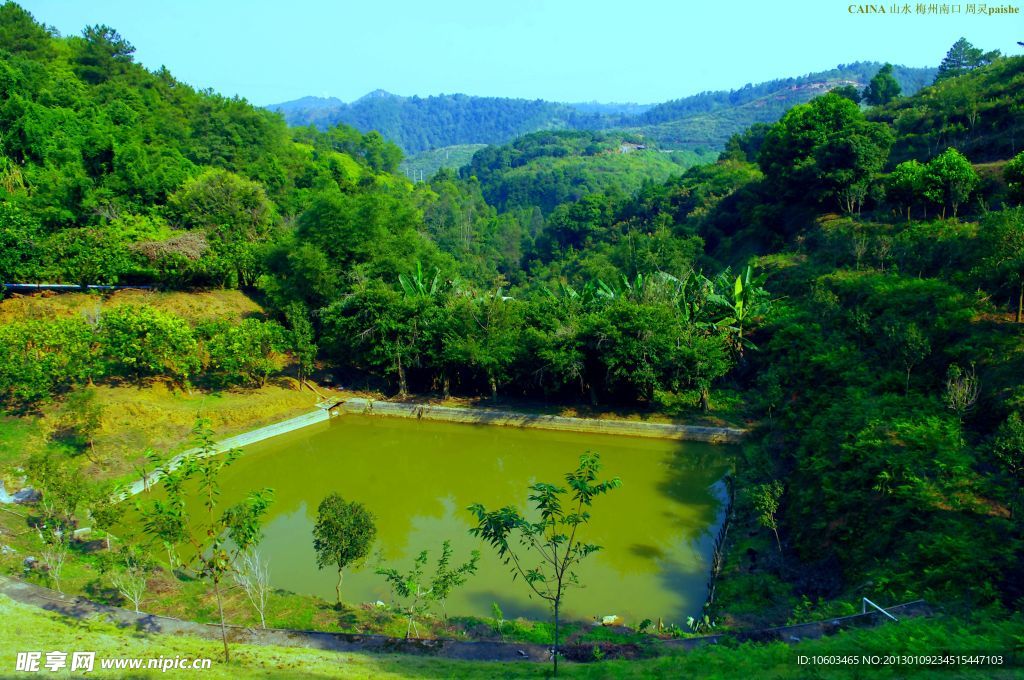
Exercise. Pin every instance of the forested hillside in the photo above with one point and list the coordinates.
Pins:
(702, 121)
(847, 281)
(707, 120)
(420, 123)
(545, 169)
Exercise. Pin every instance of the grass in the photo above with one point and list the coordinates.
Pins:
(227, 305)
(26, 628)
(152, 415)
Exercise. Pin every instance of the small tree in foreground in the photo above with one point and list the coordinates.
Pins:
(252, 572)
(549, 549)
(215, 540)
(417, 596)
(54, 552)
(105, 509)
(343, 534)
(129, 574)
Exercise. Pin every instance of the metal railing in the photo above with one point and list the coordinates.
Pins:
(864, 608)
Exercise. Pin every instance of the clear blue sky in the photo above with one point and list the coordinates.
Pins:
(564, 50)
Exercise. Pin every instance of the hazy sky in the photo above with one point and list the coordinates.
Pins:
(564, 50)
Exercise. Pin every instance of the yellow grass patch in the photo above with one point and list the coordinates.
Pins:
(229, 305)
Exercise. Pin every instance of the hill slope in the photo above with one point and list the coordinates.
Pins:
(707, 120)
(704, 120)
(420, 123)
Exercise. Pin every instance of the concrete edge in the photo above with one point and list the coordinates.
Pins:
(238, 441)
(455, 414)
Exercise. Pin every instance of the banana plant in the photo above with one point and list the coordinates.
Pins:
(691, 295)
(748, 299)
(634, 289)
(418, 286)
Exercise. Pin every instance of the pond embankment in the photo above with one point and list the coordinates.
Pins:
(505, 418)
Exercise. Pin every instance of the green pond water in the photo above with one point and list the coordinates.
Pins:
(419, 477)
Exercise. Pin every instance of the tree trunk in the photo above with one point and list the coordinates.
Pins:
(705, 404)
(337, 587)
(401, 378)
(446, 386)
(494, 389)
(554, 656)
(223, 629)
(1020, 300)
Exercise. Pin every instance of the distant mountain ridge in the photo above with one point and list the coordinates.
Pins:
(420, 123)
(702, 121)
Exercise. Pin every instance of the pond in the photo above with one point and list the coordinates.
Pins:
(417, 477)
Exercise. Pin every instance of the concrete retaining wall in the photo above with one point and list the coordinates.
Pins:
(241, 440)
(453, 414)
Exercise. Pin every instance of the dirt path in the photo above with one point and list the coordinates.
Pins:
(81, 608)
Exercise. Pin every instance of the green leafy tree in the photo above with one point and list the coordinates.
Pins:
(906, 184)
(20, 34)
(949, 180)
(824, 150)
(417, 595)
(447, 578)
(481, 336)
(408, 587)
(143, 341)
(343, 535)
(166, 521)
(849, 92)
(301, 338)
(704, 358)
(236, 216)
(1014, 174)
(546, 552)
(766, 498)
(102, 54)
(963, 57)
(83, 413)
(1008, 448)
(910, 346)
(106, 509)
(1002, 236)
(247, 352)
(21, 240)
(64, 491)
(883, 88)
(378, 327)
(89, 256)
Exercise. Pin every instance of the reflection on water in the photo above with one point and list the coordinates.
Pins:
(418, 478)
